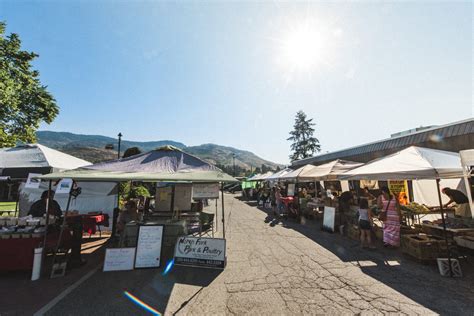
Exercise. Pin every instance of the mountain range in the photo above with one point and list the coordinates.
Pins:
(97, 148)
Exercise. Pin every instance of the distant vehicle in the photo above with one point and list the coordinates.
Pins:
(236, 188)
(109, 146)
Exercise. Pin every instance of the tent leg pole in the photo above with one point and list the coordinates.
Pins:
(17, 210)
(223, 217)
(216, 216)
(444, 227)
(46, 226)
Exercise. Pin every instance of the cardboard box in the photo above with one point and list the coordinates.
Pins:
(423, 247)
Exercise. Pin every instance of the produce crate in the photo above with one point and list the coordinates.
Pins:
(424, 247)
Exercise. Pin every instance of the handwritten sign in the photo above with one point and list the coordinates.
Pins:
(200, 252)
(150, 240)
(206, 191)
(119, 259)
(329, 218)
(33, 183)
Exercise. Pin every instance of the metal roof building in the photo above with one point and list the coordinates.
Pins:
(452, 137)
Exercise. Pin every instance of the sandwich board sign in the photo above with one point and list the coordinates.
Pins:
(119, 259)
(329, 218)
(200, 252)
(149, 244)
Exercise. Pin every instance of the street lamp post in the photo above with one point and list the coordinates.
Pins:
(233, 160)
(119, 141)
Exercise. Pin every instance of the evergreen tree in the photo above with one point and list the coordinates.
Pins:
(304, 143)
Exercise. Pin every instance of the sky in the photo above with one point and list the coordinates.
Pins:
(235, 73)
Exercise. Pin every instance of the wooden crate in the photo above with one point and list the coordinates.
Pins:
(423, 247)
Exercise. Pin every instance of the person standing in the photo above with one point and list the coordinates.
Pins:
(365, 224)
(390, 216)
(38, 209)
(278, 200)
(462, 202)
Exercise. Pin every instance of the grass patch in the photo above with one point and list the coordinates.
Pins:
(7, 206)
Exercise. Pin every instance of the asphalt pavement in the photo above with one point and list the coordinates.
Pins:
(279, 267)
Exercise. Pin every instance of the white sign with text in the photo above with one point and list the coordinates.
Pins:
(33, 183)
(149, 243)
(200, 252)
(206, 191)
(119, 259)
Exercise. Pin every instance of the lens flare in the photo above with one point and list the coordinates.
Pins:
(140, 303)
(169, 265)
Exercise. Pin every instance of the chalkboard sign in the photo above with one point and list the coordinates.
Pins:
(119, 259)
(149, 243)
(200, 252)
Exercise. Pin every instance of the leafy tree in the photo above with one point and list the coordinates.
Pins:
(132, 151)
(278, 169)
(137, 190)
(258, 170)
(24, 101)
(304, 144)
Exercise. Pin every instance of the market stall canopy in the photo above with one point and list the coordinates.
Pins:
(17, 162)
(276, 176)
(296, 174)
(260, 176)
(329, 171)
(165, 164)
(410, 164)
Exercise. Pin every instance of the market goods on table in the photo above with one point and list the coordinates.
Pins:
(414, 207)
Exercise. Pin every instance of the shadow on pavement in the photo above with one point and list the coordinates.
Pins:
(21, 296)
(148, 285)
(420, 282)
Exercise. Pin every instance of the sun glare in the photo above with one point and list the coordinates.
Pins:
(302, 48)
(306, 45)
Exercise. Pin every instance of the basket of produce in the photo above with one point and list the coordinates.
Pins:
(415, 208)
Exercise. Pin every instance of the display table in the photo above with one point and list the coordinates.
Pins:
(452, 232)
(416, 217)
(18, 253)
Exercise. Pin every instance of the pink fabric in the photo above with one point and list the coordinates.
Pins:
(391, 227)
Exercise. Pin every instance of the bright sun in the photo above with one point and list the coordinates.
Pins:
(303, 48)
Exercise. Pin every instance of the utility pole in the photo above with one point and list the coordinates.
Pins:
(119, 141)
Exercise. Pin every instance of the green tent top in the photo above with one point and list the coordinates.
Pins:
(117, 176)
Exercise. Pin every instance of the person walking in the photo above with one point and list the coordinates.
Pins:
(390, 216)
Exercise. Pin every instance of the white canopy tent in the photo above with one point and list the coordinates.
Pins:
(260, 177)
(298, 174)
(329, 171)
(276, 176)
(411, 163)
(17, 162)
(467, 161)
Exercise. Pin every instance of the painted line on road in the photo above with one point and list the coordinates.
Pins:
(68, 290)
